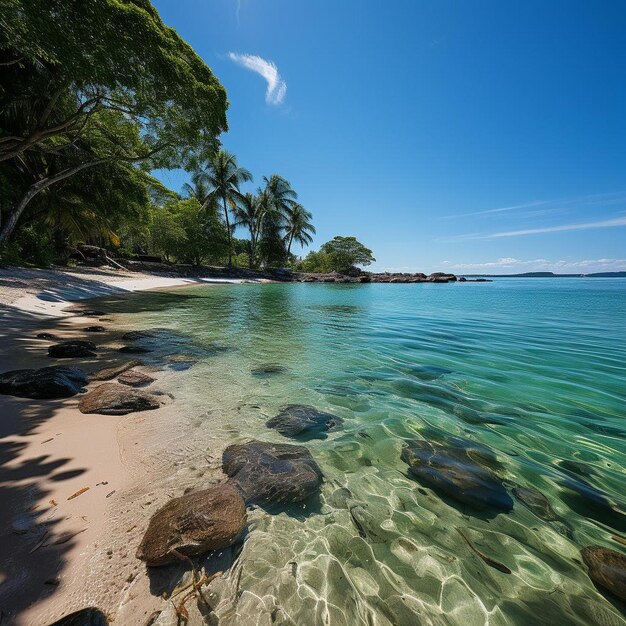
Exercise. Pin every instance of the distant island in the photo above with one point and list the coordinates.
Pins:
(552, 275)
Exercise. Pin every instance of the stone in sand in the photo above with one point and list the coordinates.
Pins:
(299, 420)
(134, 350)
(114, 399)
(108, 373)
(454, 472)
(95, 329)
(272, 473)
(91, 313)
(84, 617)
(193, 524)
(47, 382)
(72, 349)
(134, 378)
(536, 502)
(607, 568)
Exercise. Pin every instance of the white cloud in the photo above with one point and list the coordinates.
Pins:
(512, 265)
(276, 86)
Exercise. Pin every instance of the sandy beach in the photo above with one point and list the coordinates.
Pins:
(77, 490)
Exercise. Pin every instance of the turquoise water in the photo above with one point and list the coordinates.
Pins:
(534, 369)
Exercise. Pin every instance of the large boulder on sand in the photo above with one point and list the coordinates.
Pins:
(304, 422)
(193, 524)
(72, 349)
(114, 399)
(272, 473)
(46, 382)
(607, 568)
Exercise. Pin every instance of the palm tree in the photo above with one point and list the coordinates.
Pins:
(298, 227)
(198, 188)
(282, 196)
(249, 212)
(222, 178)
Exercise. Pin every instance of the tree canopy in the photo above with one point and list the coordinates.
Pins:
(89, 83)
(344, 252)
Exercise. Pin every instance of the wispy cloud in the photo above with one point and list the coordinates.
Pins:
(609, 223)
(510, 264)
(276, 86)
(549, 206)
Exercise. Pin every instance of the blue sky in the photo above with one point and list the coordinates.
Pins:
(470, 136)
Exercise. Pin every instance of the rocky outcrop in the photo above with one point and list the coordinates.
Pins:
(354, 276)
(272, 473)
(607, 568)
(44, 383)
(133, 378)
(196, 523)
(306, 422)
(457, 472)
(72, 349)
(114, 399)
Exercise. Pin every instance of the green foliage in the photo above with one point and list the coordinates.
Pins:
(344, 252)
(317, 262)
(98, 84)
(115, 55)
(32, 246)
(187, 232)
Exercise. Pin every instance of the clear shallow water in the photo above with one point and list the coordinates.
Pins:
(532, 368)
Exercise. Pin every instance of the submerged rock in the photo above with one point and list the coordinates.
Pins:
(43, 383)
(193, 524)
(114, 399)
(84, 617)
(268, 369)
(95, 329)
(455, 472)
(134, 350)
(133, 378)
(272, 473)
(180, 362)
(536, 502)
(72, 349)
(607, 568)
(134, 335)
(428, 372)
(299, 420)
(48, 336)
(108, 373)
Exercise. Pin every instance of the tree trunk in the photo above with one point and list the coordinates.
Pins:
(289, 246)
(33, 190)
(230, 239)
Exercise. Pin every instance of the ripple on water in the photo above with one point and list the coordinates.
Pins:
(524, 378)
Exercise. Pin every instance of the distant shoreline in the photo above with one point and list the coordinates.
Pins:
(551, 275)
